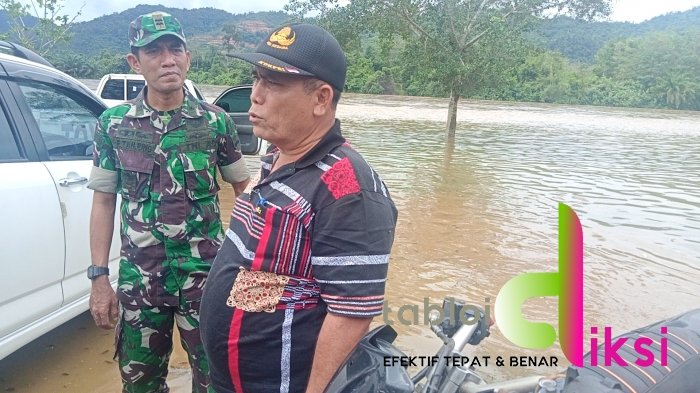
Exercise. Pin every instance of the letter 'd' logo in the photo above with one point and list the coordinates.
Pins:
(566, 284)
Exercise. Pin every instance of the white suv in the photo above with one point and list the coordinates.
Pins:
(115, 89)
(47, 120)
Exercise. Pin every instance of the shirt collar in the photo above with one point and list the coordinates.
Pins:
(330, 141)
(191, 106)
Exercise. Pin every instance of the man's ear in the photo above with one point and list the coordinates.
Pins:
(134, 62)
(324, 99)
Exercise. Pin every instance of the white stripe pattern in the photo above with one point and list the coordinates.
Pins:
(303, 204)
(352, 260)
(381, 182)
(285, 362)
(324, 167)
(351, 281)
(359, 313)
(286, 190)
(374, 180)
(246, 253)
(343, 302)
(252, 223)
(297, 231)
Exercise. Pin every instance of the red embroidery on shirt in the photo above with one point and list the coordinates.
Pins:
(341, 179)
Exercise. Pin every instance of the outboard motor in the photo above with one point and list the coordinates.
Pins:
(680, 375)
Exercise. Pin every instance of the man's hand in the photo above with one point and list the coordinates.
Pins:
(103, 300)
(103, 303)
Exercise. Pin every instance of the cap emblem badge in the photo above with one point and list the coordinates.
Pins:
(282, 38)
(158, 21)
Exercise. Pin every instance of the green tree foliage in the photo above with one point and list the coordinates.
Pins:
(665, 66)
(210, 65)
(655, 65)
(363, 75)
(50, 28)
(374, 64)
(231, 36)
(580, 40)
(549, 77)
(447, 31)
(73, 64)
(86, 67)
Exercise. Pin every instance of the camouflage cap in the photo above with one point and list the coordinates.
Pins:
(148, 28)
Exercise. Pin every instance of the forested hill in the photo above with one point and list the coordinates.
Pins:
(651, 64)
(109, 32)
(576, 40)
(580, 41)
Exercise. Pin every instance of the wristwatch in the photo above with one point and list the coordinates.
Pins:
(95, 271)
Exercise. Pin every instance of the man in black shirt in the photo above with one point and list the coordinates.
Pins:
(302, 270)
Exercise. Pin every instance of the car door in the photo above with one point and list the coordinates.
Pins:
(31, 235)
(63, 121)
(236, 102)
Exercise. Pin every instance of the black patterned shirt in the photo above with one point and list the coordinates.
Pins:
(312, 237)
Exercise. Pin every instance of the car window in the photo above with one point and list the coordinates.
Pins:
(9, 149)
(66, 125)
(113, 90)
(133, 88)
(237, 100)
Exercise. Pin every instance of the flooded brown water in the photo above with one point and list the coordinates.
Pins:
(474, 215)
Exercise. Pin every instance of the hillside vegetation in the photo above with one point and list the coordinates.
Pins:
(561, 60)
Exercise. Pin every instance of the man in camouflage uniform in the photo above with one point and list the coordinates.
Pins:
(160, 153)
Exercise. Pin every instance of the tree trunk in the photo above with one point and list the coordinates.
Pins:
(452, 114)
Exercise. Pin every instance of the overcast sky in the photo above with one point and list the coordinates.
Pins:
(623, 10)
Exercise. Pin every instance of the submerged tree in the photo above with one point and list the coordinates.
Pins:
(40, 25)
(446, 30)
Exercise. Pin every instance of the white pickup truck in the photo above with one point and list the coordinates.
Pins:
(115, 89)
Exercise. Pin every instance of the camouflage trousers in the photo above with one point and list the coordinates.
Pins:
(144, 342)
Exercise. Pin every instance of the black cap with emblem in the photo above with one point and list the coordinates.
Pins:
(301, 49)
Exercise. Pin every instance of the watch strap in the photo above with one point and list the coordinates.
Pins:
(95, 271)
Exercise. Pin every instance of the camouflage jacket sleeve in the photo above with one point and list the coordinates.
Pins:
(229, 156)
(104, 176)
